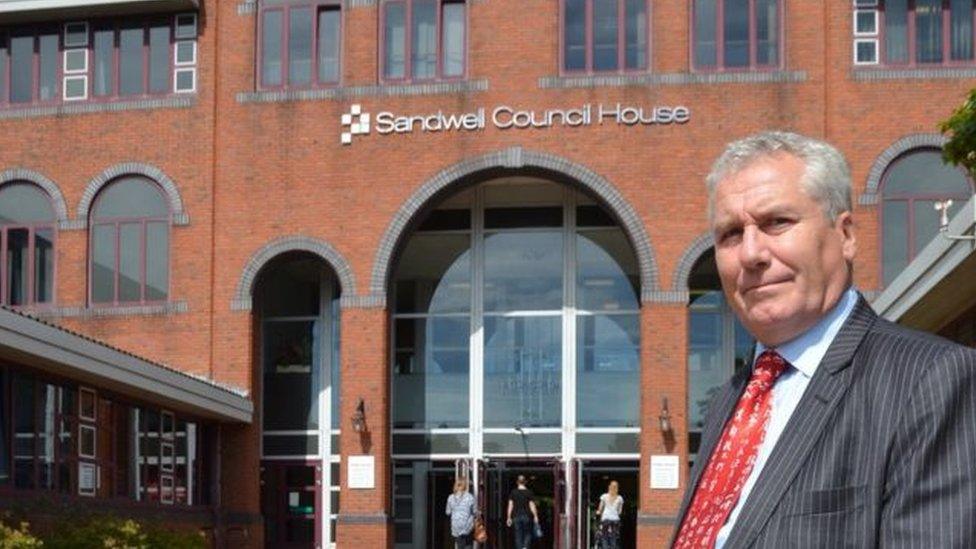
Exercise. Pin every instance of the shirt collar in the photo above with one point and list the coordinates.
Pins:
(807, 350)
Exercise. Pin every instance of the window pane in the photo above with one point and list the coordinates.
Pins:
(523, 371)
(924, 172)
(607, 276)
(271, 48)
(291, 375)
(300, 46)
(329, 46)
(424, 36)
(604, 35)
(131, 61)
(24, 446)
(523, 271)
(5, 440)
(157, 261)
(636, 35)
(103, 263)
(104, 49)
(159, 63)
(707, 370)
(736, 26)
(50, 57)
(894, 239)
(292, 288)
(767, 32)
(430, 374)
(395, 40)
(18, 267)
(608, 370)
(928, 31)
(574, 38)
(21, 69)
(706, 52)
(896, 31)
(130, 197)
(130, 262)
(3, 88)
(926, 220)
(43, 265)
(453, 41)
(961, 13)
(434, 274)
(24, 203)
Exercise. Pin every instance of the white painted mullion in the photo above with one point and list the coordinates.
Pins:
(325, 407)
(569, 326)
(476, 353)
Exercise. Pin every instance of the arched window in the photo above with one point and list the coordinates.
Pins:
(910, 189)
(130, 243)
(718, 345)
(26, 245)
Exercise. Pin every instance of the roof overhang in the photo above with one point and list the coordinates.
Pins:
(940, 283)
(44, 347)
(17, 11)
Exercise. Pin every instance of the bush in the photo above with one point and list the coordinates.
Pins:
(17, 538)
(109, 532)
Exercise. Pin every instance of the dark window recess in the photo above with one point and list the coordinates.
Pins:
(594, 216)
(299, 44)
(605, 35)
(446, 220)
(424, 39)
(512, 218)
(27, 225)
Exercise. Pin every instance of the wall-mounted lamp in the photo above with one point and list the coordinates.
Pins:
(664, 419)
(942, 207)
(359, 417)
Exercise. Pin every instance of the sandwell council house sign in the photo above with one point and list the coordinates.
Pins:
(357, 122)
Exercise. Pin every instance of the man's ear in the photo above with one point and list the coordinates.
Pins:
(844, 225)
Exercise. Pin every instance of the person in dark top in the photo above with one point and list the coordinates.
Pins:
(522, 513)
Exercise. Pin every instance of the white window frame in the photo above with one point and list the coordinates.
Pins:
(858, 32)
(876, 51)
(176, 50)
(176, 73)
(67, 43)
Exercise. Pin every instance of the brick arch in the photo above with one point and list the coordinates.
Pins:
(517, 158)
(245, 285)
(898, 148)
(52, 190)
(170, 191)
(688, 259)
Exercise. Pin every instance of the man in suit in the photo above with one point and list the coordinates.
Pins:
(848, 431)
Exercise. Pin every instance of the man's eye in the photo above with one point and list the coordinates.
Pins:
(730, 234)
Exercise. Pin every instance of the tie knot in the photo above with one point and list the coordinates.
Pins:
(769, 366)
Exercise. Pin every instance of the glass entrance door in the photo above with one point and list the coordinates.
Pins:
(498, 483)
(291, 504)
(593, 477)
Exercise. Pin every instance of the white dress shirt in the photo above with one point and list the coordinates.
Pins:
(804, 354)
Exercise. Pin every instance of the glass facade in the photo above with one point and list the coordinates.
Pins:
(516, 317)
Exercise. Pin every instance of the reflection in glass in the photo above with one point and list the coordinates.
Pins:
(328, 46)
(300, 46)
(604, 35)
(157, 261)
(434, 274)
(48, 60)
(131, 61)
(103, 263)
(928, 31)
(574, 38)
(961, 28)
(394, 38)
(523, 371)
(608, 370)
(706, 51)
(431, 372)
(18, 266)
(635, 40)
(523, 271)
(271, 48)
(424, 39)
(896, 31)
(924, 172)
(130, 264)
(24, 203)
(736, 33)
(102, 61)
(767, 33)
(607, 277)
(159, 64)
(291, 370)
(130, 197)
(21, 69)
(453, 41)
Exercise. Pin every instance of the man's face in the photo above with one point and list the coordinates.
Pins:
(782, 263)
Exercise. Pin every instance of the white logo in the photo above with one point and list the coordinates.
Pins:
(354, 122)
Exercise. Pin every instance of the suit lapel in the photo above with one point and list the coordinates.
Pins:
(802, 432)
(722, 407)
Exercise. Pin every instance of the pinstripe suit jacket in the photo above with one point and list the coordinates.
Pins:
(881, 450)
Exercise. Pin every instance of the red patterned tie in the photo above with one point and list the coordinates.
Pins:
(732, 460)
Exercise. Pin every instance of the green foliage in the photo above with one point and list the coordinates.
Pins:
(960, 128)
(18, 538)
(100, 532)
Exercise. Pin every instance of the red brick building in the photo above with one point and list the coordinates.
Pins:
(423, 238)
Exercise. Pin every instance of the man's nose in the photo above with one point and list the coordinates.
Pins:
(754, 252)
